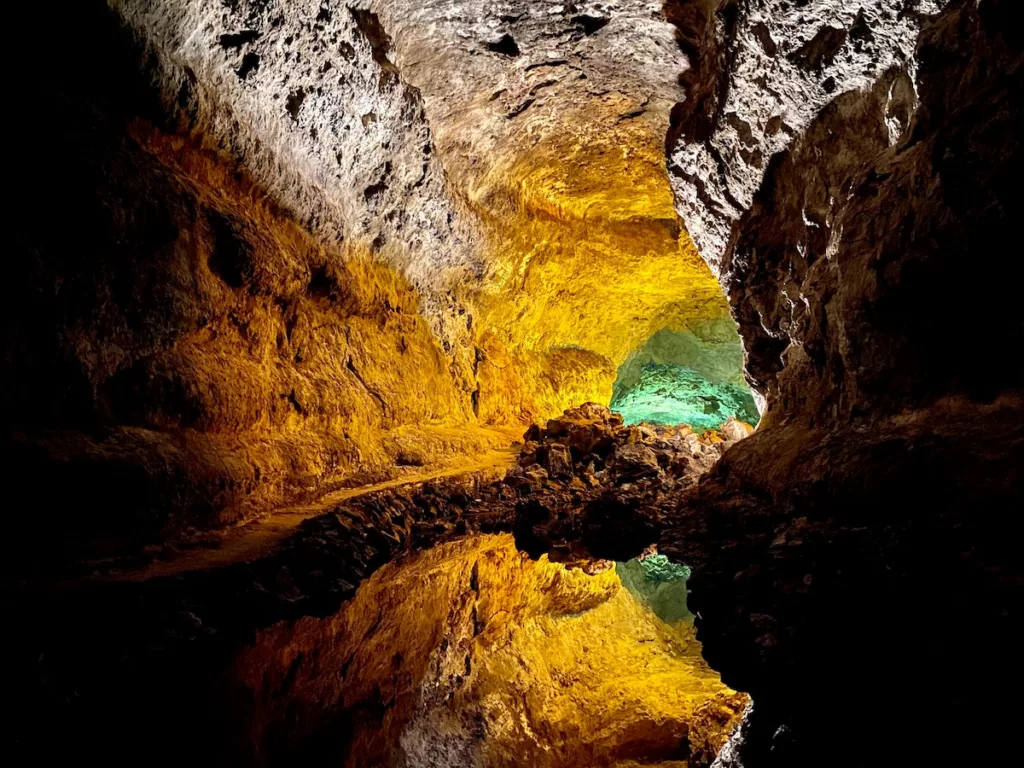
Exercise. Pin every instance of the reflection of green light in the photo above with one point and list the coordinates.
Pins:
(660, 583)
(665, 393)
(658, 568)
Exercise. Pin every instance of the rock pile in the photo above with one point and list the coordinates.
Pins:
(589, 447)
(585, 486)
(588, 470)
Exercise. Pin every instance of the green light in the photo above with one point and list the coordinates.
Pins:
(659, 569)
(660, 583)
(692, 376)
(674, 394)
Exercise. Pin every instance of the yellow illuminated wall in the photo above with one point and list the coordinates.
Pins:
(588, 261)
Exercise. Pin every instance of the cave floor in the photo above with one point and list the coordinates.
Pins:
(262, 537)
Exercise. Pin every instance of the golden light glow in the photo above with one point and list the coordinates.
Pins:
(588, 256)
(502, 659)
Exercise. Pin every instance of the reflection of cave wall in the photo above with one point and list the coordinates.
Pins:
(472, 654)
(693, 376)
(661, 584)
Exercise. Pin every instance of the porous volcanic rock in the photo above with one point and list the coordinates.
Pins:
(307, 245)
(839, 166)
(268, 249)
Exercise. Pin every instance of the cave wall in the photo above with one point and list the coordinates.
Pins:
(182, 349)
(692, 376)
(785, 155)
(842, 167)
(507, 159)
(308, 244)
(239, 225)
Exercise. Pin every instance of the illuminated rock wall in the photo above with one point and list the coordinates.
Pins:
(520, 186)
(309, 246)
(691, 377)
(190, 356)
(839, 164)
(554, 139)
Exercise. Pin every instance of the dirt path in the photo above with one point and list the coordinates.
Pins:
(261, 537)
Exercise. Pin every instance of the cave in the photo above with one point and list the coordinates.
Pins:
(523, 383)
(690, 376)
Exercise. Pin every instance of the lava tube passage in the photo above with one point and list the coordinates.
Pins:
(693, 376)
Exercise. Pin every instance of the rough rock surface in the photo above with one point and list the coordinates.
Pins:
(765, 70)
(798, 177)
(619, 479)
(305, 244)
(620, 476)
(505, 158)
(240, 301)
(180, 351)
(878, 498)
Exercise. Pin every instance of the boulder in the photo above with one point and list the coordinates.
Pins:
(559, 461)
(734, 430)
(632, 462)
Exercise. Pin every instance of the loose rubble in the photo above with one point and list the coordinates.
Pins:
(588, 464)
(589, 446)
(585, 465)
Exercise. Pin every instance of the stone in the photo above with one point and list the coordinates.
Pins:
(559, 461)
(536, 476)
(633, 462)
(528, 453)
(733, 430)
